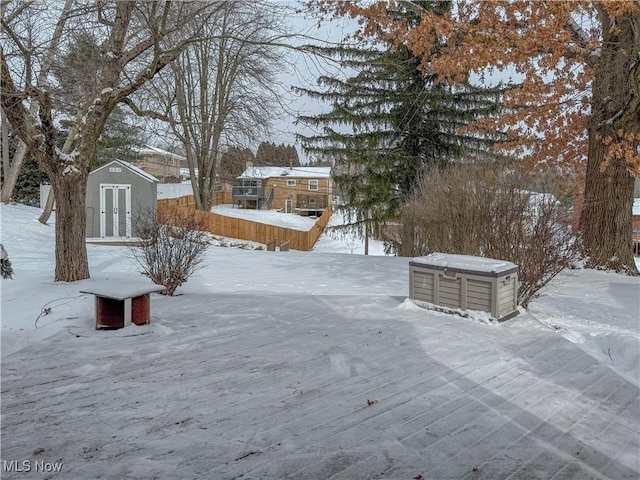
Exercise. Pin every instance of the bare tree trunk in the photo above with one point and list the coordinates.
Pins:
(71, 250)
(11, 178)
(48, 208)
(5, 145)
(606, 222)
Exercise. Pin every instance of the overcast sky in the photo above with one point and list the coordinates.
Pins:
(303, 71)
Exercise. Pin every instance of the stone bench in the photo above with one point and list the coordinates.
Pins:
(121, 303)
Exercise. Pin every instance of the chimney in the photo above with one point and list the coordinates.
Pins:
(249, 164)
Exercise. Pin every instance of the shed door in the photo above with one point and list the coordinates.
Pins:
(115, 210)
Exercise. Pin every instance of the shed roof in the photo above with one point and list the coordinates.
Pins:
(131, 167)
(290, 172)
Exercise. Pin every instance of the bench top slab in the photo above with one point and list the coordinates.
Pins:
(121, 290)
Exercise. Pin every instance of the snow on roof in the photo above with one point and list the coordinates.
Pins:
(149, 150)
(294, 172)
(132, 167)
(465, 262)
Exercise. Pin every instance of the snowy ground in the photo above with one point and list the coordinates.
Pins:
(312, 365)
(337, 240)
(271, 217)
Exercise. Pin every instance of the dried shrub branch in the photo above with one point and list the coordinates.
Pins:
(486, 210)
(174, 247)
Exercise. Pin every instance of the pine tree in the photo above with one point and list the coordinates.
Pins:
(234, 161)
(270, 154)
(389, 123)
(578, 99)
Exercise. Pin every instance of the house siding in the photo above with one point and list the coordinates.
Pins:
(161, 166)
(282, 191)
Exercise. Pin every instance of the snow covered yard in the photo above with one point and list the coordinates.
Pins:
(311, 365)
(271, 217)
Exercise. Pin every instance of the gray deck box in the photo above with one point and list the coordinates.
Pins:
(465, 282)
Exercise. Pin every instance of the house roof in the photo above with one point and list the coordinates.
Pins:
(149, 150)
(293, 172)
(130, 166)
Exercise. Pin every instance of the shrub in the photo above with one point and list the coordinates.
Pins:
(6, 270)
(486, 210)
(173, 247)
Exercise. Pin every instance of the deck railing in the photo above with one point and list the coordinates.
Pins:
(312, 202)
(247, 193)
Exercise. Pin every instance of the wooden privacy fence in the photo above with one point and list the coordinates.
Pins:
(246, 229)
(222, 197)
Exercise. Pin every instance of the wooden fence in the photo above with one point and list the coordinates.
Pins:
(246, 229)
(222, 197)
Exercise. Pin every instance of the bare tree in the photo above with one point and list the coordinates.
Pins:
(137, 40)
(221, 91)
(28, 49)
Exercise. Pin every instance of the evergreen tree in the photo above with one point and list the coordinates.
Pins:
(390, 122)
(270, 154)
(27, 189)
(266, 154)
(234, 161)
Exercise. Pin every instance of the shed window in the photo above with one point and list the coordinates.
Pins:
(312, 201)
(313, 184)
(291, 183)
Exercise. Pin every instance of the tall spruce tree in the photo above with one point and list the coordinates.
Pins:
(390, 122)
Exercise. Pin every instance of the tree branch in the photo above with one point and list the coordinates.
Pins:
(15, 111)
(145, 113)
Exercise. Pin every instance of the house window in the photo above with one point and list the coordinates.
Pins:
(312, 201)
(291, 183)
(313, 184)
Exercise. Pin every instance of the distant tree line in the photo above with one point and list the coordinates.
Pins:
(234, 161)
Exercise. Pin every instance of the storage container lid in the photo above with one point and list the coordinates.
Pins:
(465, 263)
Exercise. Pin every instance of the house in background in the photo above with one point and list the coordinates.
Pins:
(161, 164)
(117, 194)
(302, 190)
